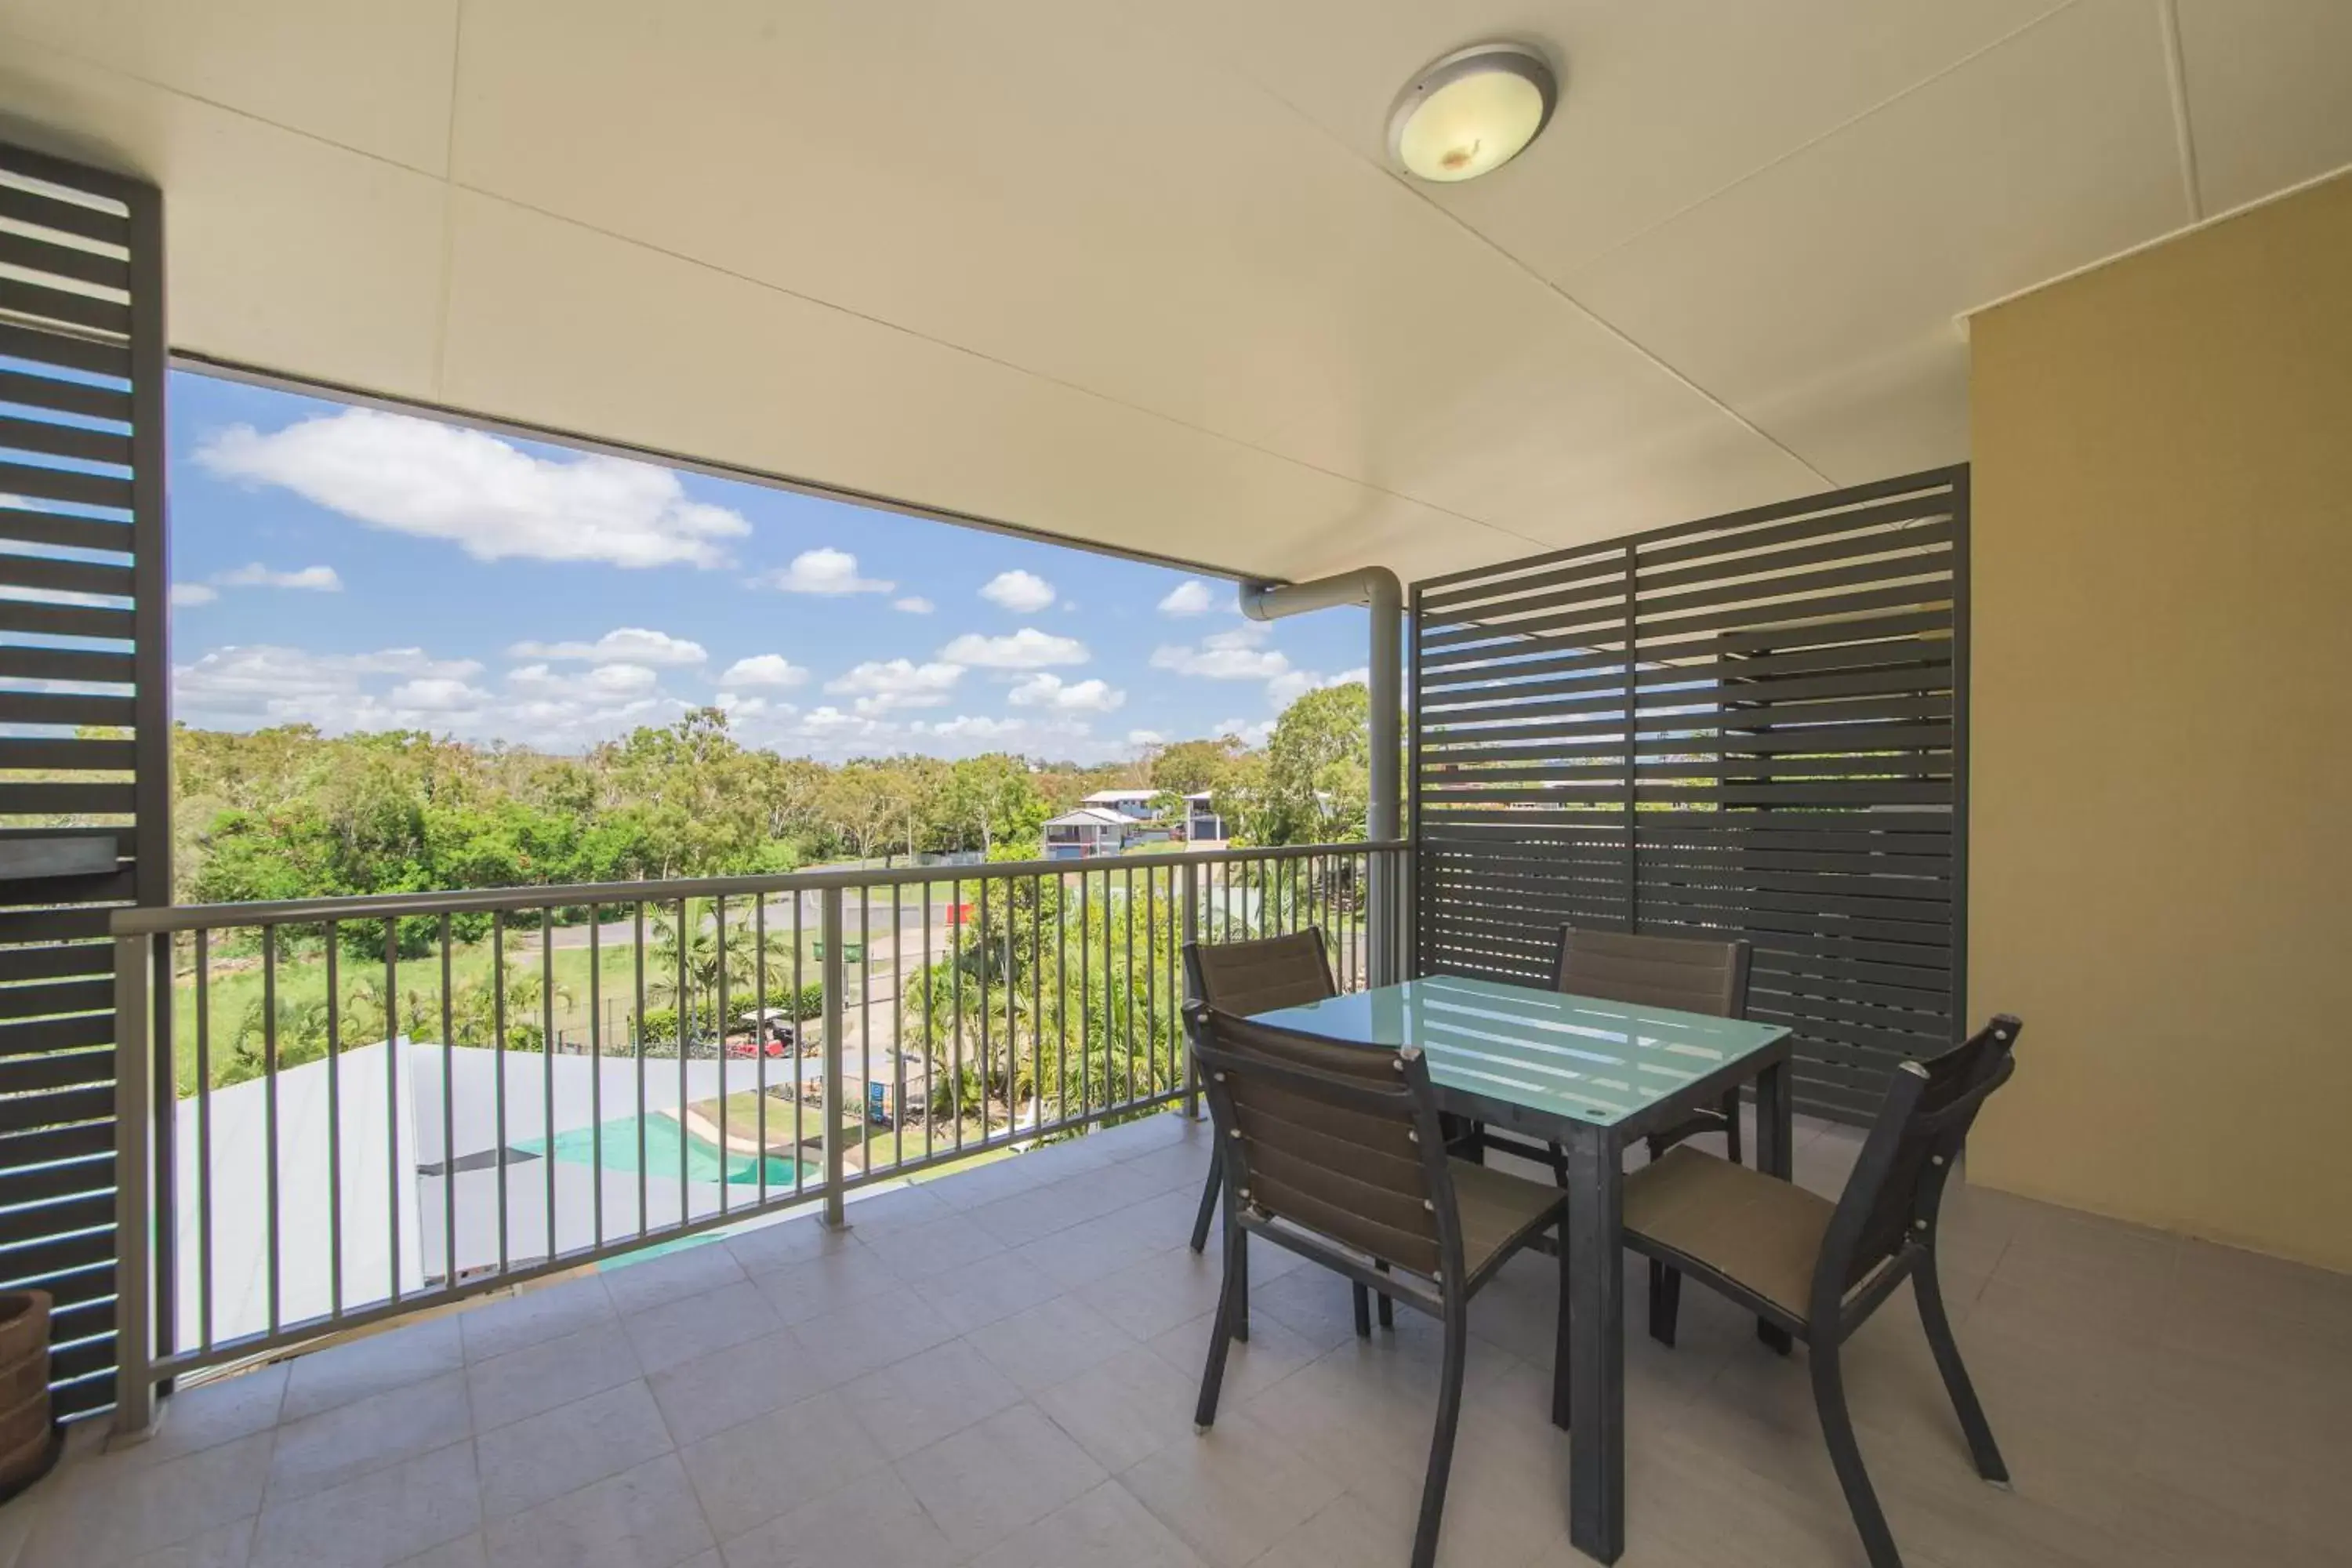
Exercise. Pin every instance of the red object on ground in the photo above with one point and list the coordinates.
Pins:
(959, 913)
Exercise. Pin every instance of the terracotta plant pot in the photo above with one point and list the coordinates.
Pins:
(28, 1438)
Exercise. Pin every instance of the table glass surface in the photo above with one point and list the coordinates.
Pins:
(1580, 1057)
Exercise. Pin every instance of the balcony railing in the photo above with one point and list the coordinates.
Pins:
(370, 1107)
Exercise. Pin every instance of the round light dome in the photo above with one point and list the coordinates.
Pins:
(1471, 112)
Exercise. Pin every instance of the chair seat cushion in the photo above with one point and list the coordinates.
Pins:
(1754, 1229)
(1498, 1210)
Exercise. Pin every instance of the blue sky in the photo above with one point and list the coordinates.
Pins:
(362, 570)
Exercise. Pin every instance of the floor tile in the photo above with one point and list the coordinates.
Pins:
(991, 1479)
(349, 1441)
(829, 1282)
(230, 1546)
(749, 1474)
(1105, 1526)
(980, 1293)
(1125, 1408)
(688, 1270)
(1233, 1491)
(679, 1330)
(936, 1246)
(106, 1513)
(561, 1450)
(730, 1386)
(468, 1550)
(913, 1404)
(1050, 1342)
(761, 1248)
(871, 1522)
(642, 1518)
(523, 1383)
(379, 1519)
(396, 1358)
(873, 1335)
(531, 1317)
(1150, 1298)
(210, 1413)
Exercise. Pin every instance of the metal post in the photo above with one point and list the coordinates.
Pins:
(134, 1131)
(834, 980)
(1191, 935)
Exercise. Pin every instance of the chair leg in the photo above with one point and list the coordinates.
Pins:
(1732, 1122)
(1845, 1457)
(1388, 1307)
(1665, 1301)
(1441, 1445)
(1558, 1166)
(1929, 1291)
(1559, 1343)
(1208, 1204)
(1230, 1301)
(1364, 1311)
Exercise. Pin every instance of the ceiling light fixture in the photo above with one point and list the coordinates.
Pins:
(1471, 112)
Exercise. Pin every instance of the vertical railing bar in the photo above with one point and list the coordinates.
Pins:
(596, 1064)
(834, 960)
(498, 1066)
(269, 1113)
(1011, 1029)
(334, 1129)
(865, 1025)
(1150, 982)
(987, 1053)
(1127, 974)
(685, 1025)
(718, 1024)
(931, 1032)
(205, 1139)
(137, 1202)
(897, 1031)
(391, 1099)
(1110, 1002)
(800, 1079)
(1062, 996)
(547, 1062)
(1037, 999)
(955, 991)
(448, 1119)
(760, 1035)
(638, 1032)
(1192, 914)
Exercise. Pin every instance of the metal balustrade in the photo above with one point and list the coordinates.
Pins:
(375, 1106)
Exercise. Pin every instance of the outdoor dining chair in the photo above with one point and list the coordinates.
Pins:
(1818, 1269)
(1334, 1152)
(1245, 977)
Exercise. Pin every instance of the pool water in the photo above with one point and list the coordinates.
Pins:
(664, 1141)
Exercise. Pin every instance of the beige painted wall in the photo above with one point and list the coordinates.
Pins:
(2161, 829)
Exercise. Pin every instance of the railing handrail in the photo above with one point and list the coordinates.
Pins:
(371, 906)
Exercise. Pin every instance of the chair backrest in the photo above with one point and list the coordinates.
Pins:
(1898, 1178)
(1339, 1141)
(1245, 977)
(1695, 975)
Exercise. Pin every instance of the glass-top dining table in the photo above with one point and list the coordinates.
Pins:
(1591, 1076)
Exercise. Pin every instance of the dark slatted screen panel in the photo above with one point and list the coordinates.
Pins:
(82, 738)
(1752, 725)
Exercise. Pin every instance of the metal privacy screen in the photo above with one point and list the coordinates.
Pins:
(83, 808)
(1753, 725)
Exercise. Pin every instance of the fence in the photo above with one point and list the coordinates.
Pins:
(363, 1119)
(1753, 725)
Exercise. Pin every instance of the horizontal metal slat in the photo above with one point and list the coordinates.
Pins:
(54, 440)
(25, 1113)
(64, 576)
(65, 485)
(75, 756)
(64, 996)
(48, 1182)
(51, 393)
(55, 528)
(44, 211)
(37, 254)
(22, 298)
(20, 1039)
(93, 666)
(71, 799)
(28, 1266)
(67, 351)
(22, 1226)
(64, 961)
(29, 1149)
(64, 621)
(51, 925)
(1727, 554)
(72, 707)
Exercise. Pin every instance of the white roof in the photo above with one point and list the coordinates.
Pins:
(1088, 816)
(1112, 797)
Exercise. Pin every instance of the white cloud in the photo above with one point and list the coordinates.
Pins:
(1236, 655)
(1027, 648)
(488, 497)
(623, 645)
(1051, 691)
(825, 571)
(880, 685)
(186, 594)
(1190, 597)
(1143, 740)
(437, 694)
(1249, 733)
(914, 604)
(318, 579)
(763, 669)
(603, 682)
(1289, 687)
(1023, 593)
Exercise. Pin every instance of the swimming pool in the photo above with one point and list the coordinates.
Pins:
(664, 1141)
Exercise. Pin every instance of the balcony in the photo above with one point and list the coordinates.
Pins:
(997, 1366)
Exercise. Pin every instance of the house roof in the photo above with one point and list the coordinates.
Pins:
(1087, 817)
(1112, 797)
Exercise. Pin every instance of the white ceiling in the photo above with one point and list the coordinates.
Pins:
(1133, 273)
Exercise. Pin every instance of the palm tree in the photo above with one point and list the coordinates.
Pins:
(690, 949)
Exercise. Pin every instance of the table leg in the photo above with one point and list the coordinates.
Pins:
(1596, 1498)
(1775, 1129)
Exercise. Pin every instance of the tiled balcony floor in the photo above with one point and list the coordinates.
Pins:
(999, 1368)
